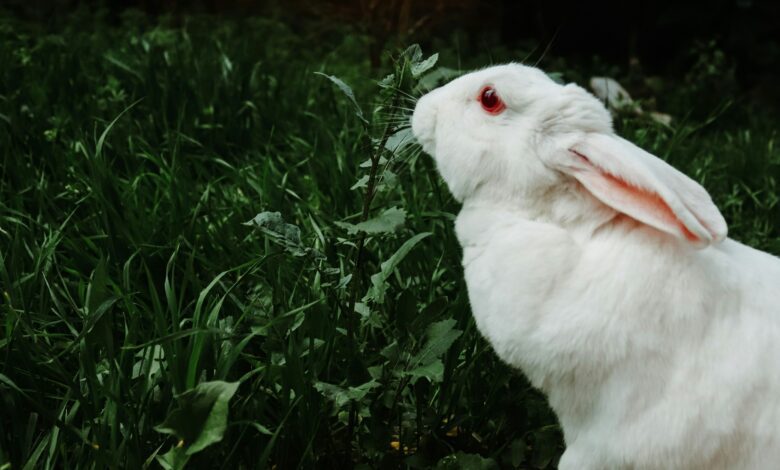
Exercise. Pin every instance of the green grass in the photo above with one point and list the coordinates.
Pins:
(137, 300)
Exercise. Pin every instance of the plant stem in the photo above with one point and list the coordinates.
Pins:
(368, 197)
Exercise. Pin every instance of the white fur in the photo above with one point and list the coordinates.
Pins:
(654, 354)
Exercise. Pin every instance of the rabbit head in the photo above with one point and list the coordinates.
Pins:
(509, 133)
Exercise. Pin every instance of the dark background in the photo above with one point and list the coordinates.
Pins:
(659, 38)
(653, 33)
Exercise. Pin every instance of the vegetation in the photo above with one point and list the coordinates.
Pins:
(213, 253)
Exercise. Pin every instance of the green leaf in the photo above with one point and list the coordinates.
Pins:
(464, 461)
(347, 90)
(97, 290)
(545, 447)
(272, 223)
(201, 418)
(368, 163)
(413, 53)
(287, 235)
(389, 221)
(421, 67)
(379, 280)
(518, 452)
(361, 183)
(433, 371)
(400, 139)
(341, 396)
(102, 138)
(439, 338)
(387, 81)
(557, 77)
(436, 78)
(174, 459)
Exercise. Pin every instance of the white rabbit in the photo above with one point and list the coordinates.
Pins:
(606, 276)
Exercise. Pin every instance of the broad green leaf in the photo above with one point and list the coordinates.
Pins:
(174, 459)
(361, 183)
(362, 309)
(421, 67)
(390, 351)
(439, 338)
(436, 78)
(546, 446)
(379, 280)
(201, 418)
(517, 452)
(413, 53)
(389, 180)
(340, 396)
(273, 223)
(387, 81)
(287, 235)
(400, 139)
(347, 90)
(389, 221)
(433, 371)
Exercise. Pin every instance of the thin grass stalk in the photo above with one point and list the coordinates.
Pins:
(357, 272)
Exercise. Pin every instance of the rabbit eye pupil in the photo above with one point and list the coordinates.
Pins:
(490, 101)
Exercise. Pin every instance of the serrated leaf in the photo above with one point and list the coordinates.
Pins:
(287, 235)
(433, 371)
(389, 180)
(379, 280)
(201, 417)
(387, 81)
(347, 90)
(421, 67)
(439, 338)
(272, 222)
(340, 396)
(387, 222)
(414, 53)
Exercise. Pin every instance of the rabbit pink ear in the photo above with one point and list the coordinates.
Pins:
(644, 187)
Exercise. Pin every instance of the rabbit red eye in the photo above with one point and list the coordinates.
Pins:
(490, 100)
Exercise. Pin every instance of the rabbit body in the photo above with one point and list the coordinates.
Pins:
(648, 362)
(606, 276)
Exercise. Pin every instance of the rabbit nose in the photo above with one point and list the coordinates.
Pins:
(424, 121)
